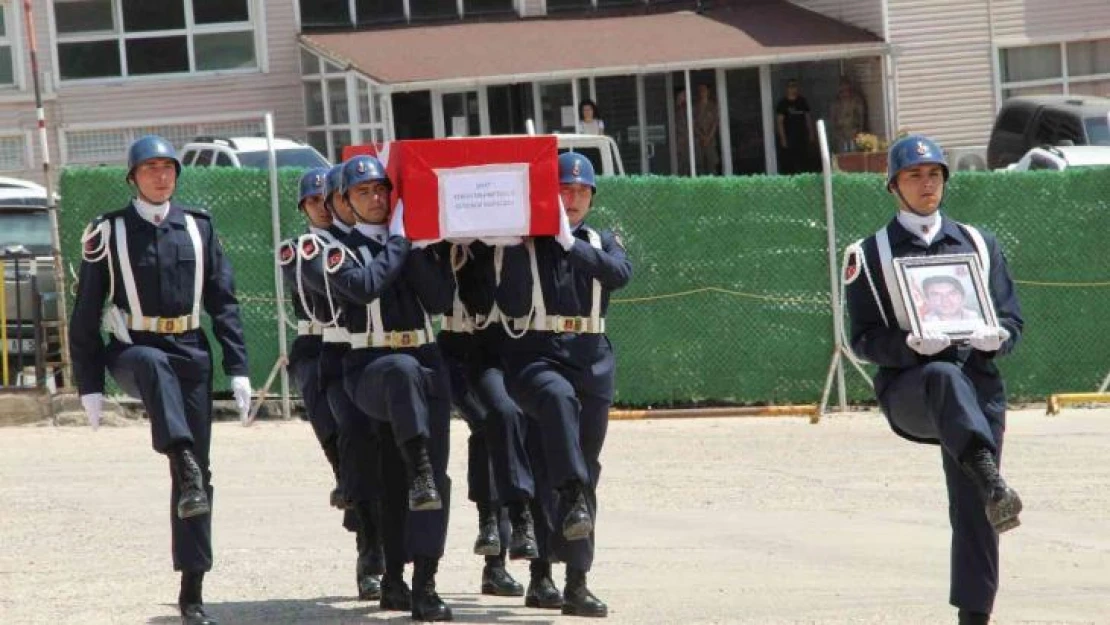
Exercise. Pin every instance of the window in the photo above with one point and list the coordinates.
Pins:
(187, 158)
(223, 160)
(433, 9)
(13, 152)
(204, 158)
(1075, 67)
(487, 7)
(568, 5)
(108, 146)
(331, 14)
(369, 12)
(339, 110)
(123, 38)
(7, 35)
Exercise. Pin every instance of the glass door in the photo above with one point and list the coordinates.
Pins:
(657, 125)
(556, 108)
(460, 115)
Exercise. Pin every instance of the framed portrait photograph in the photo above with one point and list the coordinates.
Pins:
(945, 294)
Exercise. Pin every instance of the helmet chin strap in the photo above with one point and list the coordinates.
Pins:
(362, 217)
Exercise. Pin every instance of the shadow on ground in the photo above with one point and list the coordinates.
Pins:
(466, 609)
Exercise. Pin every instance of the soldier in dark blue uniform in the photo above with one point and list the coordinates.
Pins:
(155, 264)
(312, 316)
(358, 443)
(931, 389)
(394, 371)
(561, 371)
(498, 477)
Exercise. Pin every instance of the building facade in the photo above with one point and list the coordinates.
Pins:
(341, 72)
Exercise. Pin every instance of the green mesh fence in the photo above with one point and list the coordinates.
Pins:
(730, 299)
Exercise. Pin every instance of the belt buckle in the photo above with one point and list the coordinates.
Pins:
(167, 325)
(404, 339)
(570, 324)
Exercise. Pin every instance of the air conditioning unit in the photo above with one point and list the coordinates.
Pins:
(968, 159)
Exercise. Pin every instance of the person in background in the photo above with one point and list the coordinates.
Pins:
(848, 116)
(589, 118)
(794, 130)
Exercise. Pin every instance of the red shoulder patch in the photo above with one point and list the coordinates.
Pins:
(335, 258)
(286, 253)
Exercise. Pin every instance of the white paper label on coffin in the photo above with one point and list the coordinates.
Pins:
(484, 200)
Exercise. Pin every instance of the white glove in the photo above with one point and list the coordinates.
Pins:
(397, 222)
(241, 388)
(929, 344)
(565, 236)
(506, 241)
(989, 338)
(93, 403)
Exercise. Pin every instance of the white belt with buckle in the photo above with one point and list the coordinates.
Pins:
(336, 335)
(162, 325)
(392, 340)
(559, 323)
(308, 328)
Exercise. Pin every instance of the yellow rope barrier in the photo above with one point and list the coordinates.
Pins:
(1073, 285)
(716, 289)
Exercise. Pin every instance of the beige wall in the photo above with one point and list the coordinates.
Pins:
(124, 103)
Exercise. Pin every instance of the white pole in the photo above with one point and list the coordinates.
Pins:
(834, 268)
(275, 225)
(690, 124)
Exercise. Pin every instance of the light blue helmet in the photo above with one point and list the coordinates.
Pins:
(313, 182)
(575, 168)
(912, 151)
(148, 148)
(364, 169)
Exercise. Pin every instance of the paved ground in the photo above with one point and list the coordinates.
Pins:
(706, 521)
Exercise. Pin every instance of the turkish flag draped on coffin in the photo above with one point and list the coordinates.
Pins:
(474, 187)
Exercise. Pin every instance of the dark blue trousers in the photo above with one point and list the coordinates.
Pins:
(937, 402)
(567, 394)
(172, 375)
(408, 390)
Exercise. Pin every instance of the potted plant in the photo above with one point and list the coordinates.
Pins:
(870, 155)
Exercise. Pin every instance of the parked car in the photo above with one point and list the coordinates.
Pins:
(1024, 123)
(1059, 158)
(249, 152)
(27, 249)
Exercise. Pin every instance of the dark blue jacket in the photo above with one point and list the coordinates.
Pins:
(163, 261)
(886, 346)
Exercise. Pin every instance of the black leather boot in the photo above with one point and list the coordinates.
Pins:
(193, 501)
(1002, 502)
(577, 524)
(578, 600)
(542, 591)
(395, 592)
(370, 564)
(426, 604)
(488, 542)
(422, 485)
(496, 580)
(968, 617)
(190, 601)
(337, 498)
(522, 545)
